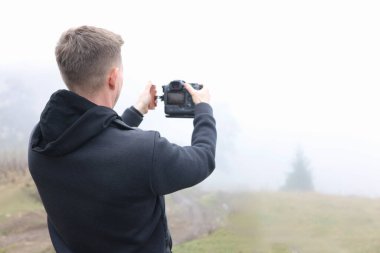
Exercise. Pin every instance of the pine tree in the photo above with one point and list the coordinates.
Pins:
(300, 178)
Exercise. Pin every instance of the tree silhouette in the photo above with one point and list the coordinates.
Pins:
(300, 178)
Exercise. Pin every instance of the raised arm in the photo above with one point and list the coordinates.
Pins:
(176, 167)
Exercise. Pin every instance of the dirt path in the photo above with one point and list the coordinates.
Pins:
(25, 233)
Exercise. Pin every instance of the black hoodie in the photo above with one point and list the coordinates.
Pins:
(101, 180)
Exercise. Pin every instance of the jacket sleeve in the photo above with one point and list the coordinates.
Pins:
(176, 167)
(132, 117)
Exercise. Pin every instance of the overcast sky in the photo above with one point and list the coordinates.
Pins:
(290, 73)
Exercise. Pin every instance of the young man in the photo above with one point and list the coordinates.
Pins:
(102, 180)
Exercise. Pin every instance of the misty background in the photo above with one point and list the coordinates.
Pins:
(284, 76)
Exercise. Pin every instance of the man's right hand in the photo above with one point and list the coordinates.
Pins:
(199, 96)
(147, 99)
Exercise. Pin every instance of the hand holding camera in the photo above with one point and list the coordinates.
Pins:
(179, 98)
(198, 96)
(147, 99)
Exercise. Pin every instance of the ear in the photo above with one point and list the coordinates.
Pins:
(113, 77)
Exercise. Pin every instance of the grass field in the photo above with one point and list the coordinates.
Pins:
(256, 223)
(18, 198)
(295, 223)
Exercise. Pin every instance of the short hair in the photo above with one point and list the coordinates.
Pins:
(85, 54)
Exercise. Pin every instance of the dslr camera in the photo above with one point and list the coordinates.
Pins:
(178, 101)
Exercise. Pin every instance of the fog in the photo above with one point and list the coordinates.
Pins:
(284, 75)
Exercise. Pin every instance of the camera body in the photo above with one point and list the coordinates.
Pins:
(178, 101)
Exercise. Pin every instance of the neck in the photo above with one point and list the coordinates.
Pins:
(100, 98)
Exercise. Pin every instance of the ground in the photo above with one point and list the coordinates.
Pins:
(280, 222)
(218, 222)
(23, 220)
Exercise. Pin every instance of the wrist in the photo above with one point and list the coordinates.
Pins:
(199, 101)
(141, 108)
(133, 108)
(202, 108)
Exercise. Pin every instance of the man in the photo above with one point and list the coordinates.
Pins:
(102, 180)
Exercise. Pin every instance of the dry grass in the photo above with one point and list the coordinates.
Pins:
(13, 165)
(256, 222)
(296, 223)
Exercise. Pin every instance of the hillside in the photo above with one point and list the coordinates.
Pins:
(23, 219)
(223, 222)
(295, 223)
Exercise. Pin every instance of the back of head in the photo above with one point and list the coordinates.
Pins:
(85, 55)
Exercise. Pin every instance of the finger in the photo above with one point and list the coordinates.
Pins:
(149, 85)
(189, 88)
(152, 105)
(153, 97)
(153, 89)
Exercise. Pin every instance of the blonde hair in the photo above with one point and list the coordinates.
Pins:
(85, 55)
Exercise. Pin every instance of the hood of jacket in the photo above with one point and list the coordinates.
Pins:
(67, 122)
